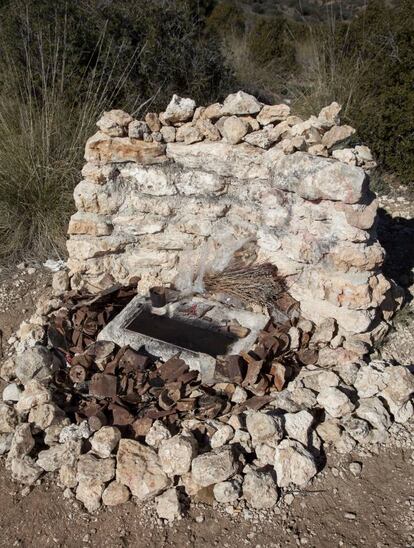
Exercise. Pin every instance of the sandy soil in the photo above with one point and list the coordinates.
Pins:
(375, 509)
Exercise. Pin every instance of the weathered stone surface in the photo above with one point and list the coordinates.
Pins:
(8, 419)
(91, 468)
(98, 174)
(35, 363)
(359, 215)
(114, 123)
(222, 436)
(345, 155)
(293, 464)
(89, 492)
(57, 456)
(22, 442)
(234, 129)
(153, 121)
(273, 113)
(189, 134)
(179, 110)
(88, 248)
(214, 467)
(364, 156)
(91, 224)
(35, 393)
(105, 440)
(265, 454)
(25, 470)
(5, 443)
(52, 433)
(177, 453)
(11, 393)
(318, 178)
(157, 434)
(346, 444)
(373, 411)
(243, 439)
(317, 380)
(329, 430)
(227, 491)
(242, 161)
(397, 394)
(152, 181)
(359, 429)
(264, 428)
(193, 183)
(115, 493)
(168, 505)
(298, 426)
(348, 372)
(260, 489)
(335, 402)
(318, 150)
(137, 129)
(213, 112)
(168, 133)
(44, 415)
(138, 467)
(370, 379)
(7, 371)
(75, 432)
(68, 475)
(324, 332)
(329, 116)
(261, 138)
(208, 129)
(337, 135)
(240, 103)
(102, 149)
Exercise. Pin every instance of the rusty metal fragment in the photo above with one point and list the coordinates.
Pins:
(103, 385)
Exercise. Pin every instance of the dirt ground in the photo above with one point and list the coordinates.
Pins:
(373, 509)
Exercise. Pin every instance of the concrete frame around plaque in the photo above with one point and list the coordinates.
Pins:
(117, 331)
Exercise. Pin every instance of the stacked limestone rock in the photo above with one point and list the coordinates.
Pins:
(153, 189)
(241, 459)
(241, 118)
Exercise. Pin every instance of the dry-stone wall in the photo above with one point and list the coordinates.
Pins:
(152, 189)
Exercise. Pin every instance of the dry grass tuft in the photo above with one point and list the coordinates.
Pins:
(42, 142)
(259, 284)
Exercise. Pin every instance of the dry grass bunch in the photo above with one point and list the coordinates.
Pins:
(43, 131)
(258, 283)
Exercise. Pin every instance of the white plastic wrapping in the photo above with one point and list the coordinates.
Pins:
(211, 257)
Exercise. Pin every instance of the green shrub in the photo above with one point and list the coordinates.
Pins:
(385, 118)
(268, 42)
(367, 65)
(226, 17)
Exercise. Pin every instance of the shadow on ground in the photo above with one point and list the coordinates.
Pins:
(396, 235)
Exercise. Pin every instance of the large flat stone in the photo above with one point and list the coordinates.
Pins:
(102, 149)
(316, 178)
(241, 161)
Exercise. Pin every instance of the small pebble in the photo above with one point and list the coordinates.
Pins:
(355, 468)
(289, 499)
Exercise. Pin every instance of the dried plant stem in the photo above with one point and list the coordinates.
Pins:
(251, 284)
